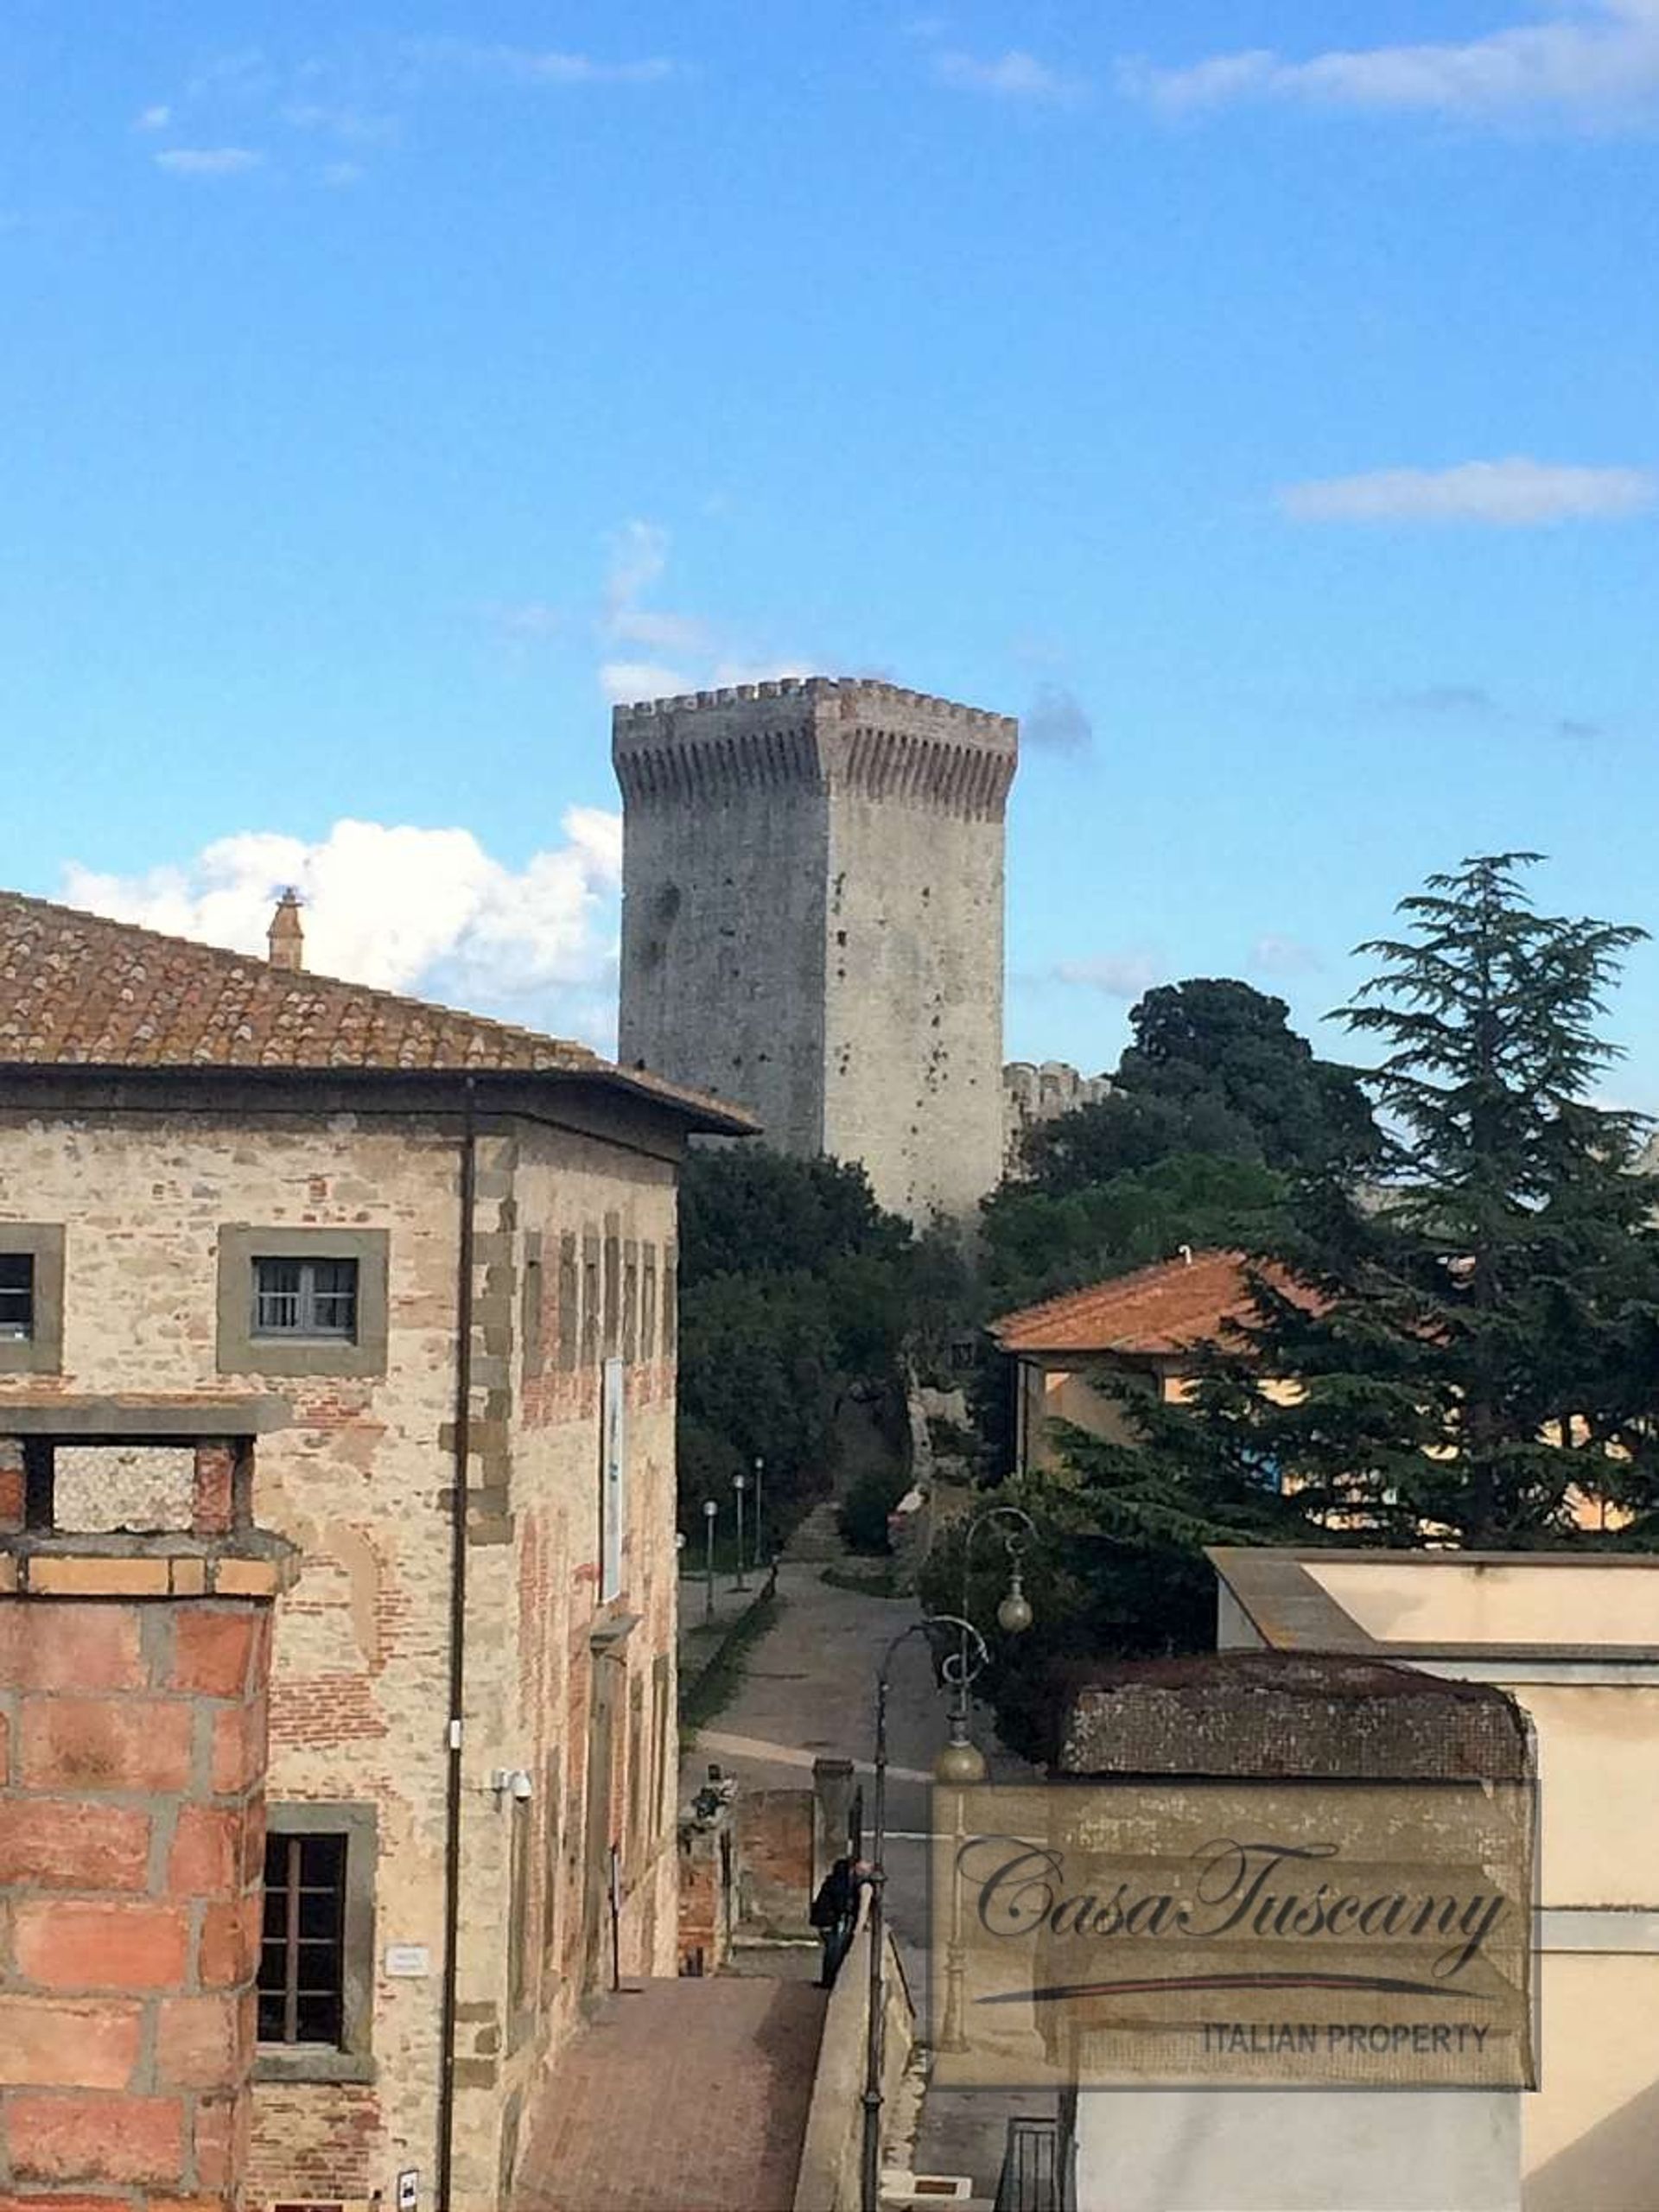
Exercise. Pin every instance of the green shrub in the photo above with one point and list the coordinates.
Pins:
(863, 1513)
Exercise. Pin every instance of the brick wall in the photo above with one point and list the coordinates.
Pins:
(132, 1755)
(361, 1480)
(775, 1844)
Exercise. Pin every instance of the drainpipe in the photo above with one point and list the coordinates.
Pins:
(457, 1651)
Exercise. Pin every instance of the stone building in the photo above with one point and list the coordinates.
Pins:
(812, 921)
(1033, 1093)
(399, 1246)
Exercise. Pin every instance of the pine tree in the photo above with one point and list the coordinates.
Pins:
(1475, 1334)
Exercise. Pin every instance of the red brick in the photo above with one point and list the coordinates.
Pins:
(54, 2200)
(205, 1860)
(54, 2042)
(253, 1842)
(100, 1744)
(67, 1943)
(238, 1748)
(211, 1650)
(197, 2043)
(12, 1500)
(212, 1510)
(64, 1645)
(230, 1943)
(61, 1844)
(223, 2126)
(95, 2138)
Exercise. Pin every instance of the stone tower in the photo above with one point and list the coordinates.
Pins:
(812, 920)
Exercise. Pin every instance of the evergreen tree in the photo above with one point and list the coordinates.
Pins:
(1475, 1334)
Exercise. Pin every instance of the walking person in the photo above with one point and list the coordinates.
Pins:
(835, 1915)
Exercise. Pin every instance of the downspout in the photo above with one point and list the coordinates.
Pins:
(457, 1651)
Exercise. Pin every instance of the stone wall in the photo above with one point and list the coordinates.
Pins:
(812, 921)
(577, 1265)
(361, 1479)
(1033, 1093)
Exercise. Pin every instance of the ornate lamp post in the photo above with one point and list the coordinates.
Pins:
(959, 1766)
(961, 1754)
(1013, 1618)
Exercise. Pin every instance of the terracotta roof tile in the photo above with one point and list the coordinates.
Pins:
(1167, 1308)
(77, 990)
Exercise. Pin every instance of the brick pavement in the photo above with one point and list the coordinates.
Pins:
(689, 2096)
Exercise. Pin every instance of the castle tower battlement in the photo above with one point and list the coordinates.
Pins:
(812, 919)
(825, 732)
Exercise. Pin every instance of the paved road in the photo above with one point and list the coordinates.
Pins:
(809, 1691)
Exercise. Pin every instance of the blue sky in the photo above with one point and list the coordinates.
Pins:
(1260, 398)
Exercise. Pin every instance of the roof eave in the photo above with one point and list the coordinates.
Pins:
(692, 1113)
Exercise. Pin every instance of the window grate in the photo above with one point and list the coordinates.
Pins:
(305, 1298)
(16, 1296)
(302, 1950)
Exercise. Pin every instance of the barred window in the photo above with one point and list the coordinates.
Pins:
(302, 1955)
(305, 1298)
(16, 1296)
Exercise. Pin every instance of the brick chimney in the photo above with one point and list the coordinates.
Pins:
(133, 1677)
(285, 936)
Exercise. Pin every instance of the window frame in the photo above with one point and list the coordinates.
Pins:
(351, 2059)
(40, 1352)
(240, 1351)
(306, 1295)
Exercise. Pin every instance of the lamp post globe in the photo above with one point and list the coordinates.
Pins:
(1013, 1614)
(959, 1765)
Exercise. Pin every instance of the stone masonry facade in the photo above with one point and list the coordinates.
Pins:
(569, 1685)
(812, 921)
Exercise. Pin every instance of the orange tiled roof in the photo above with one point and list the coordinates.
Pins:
(78, 991)
(1167, 1308)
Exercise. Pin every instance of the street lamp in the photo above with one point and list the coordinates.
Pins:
(709, 1510)
(760, 1477)
(740, 1483)
(1013, 1614)
(960, 1764)
(958, 1750)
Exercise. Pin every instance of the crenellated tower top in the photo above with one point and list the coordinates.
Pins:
(821, 733)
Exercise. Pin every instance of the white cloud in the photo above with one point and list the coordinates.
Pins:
(1272, 955)
(1596, 63)
(209, 161)
(1016, 75)
(532, 66)
(660, 632)
(350, 126)
(534, 620)
(339, 175)
(624, 681)
(1117, 976)
(1513, 494)
(740, 671)
(423, 910)
(154, 118)
(632, 635)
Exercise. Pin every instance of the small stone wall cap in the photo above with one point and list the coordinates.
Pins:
(1260, 1714)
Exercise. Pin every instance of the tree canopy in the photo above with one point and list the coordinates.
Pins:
(796, 1288)
(1457, 1337)
(1483, 1338)
(1215, 1068)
